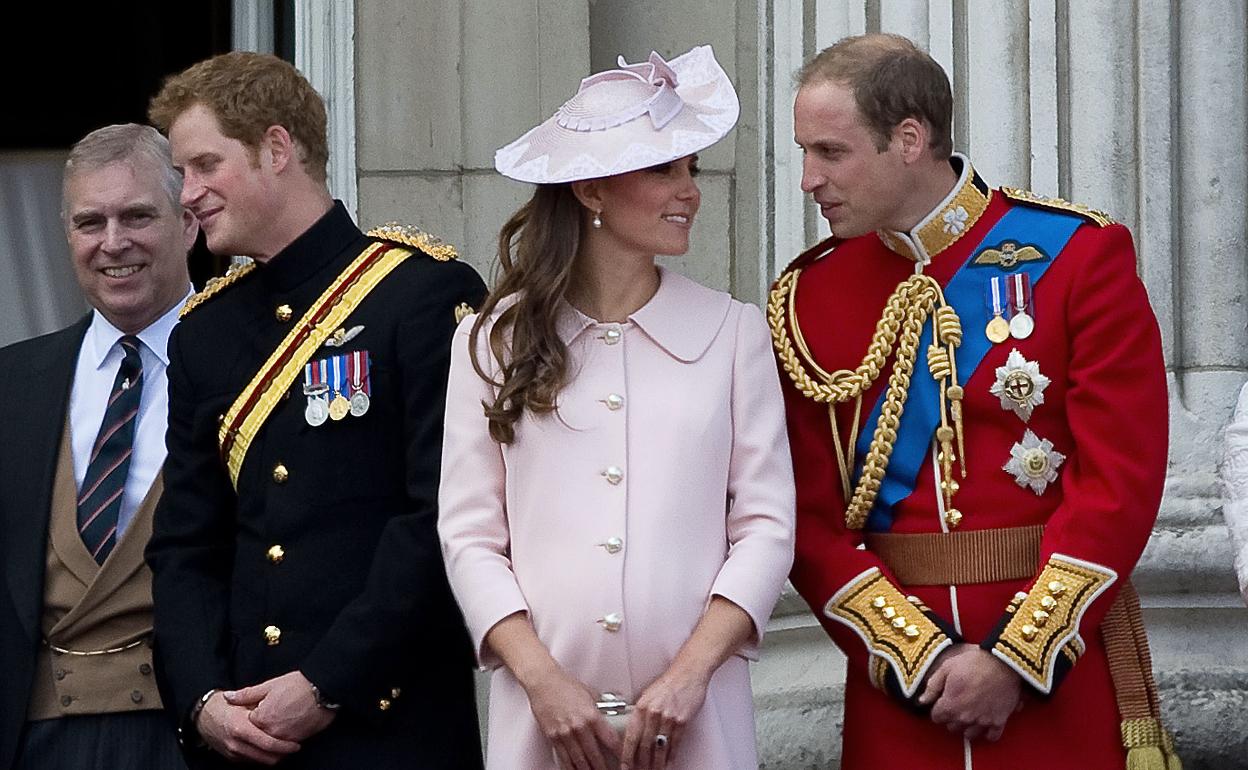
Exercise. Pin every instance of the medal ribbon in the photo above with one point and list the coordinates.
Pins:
(1021, 284)
(357, 371)
(1049, 231)
(253, 406)
(340, 378)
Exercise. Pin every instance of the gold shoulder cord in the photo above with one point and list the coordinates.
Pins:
(908, 308)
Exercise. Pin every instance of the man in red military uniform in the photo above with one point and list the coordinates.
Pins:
(978, 416)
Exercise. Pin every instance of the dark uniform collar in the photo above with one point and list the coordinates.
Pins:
(949, 221)
(318, 246)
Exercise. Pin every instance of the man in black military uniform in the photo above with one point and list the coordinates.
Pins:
(300, 599)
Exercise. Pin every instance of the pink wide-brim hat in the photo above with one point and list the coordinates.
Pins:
(625, 119)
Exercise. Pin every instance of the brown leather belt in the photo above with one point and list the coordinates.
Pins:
(959, 558)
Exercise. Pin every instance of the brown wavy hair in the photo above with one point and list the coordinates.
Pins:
(248, 92)
(537, 248)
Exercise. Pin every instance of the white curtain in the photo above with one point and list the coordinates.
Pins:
(38, 292)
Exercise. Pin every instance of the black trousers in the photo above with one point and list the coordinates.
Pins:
(132, 740)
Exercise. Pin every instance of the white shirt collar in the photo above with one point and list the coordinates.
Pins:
(102, 336)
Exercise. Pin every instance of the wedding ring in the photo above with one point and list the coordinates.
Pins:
(660, 741)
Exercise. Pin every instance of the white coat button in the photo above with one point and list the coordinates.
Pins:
(612, 335)
(614, 401)
(611, 621)
(613, 545)
(613, 475)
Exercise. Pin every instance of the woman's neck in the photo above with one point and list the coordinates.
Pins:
(611, 288)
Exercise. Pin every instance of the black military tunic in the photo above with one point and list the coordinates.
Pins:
(326, 560)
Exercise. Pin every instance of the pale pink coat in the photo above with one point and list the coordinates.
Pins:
(703, 505)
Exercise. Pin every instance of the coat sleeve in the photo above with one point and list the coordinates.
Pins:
(472, 516)
(760, 483)
(191, 551)
(1235, 488)
(1117, 410)
(406, 598)
(848, 588)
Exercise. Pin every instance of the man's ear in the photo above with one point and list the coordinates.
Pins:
(281, 148)
(911, 135)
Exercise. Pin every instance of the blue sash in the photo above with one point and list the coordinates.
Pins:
(1049, 231)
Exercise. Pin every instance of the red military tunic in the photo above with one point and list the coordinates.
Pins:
(1104, 409)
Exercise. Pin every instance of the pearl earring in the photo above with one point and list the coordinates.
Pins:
(597, 220)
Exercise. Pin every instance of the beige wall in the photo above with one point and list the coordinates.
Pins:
(440, 86)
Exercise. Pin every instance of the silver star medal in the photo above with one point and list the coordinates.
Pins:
(1019, 385)
(1033, 462)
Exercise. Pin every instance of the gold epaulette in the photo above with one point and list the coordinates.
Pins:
(215, 285)
(1029, 198)
(408, 235)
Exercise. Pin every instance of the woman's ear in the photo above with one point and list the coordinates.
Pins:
(589, 193)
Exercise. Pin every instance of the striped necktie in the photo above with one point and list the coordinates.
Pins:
(99, 501)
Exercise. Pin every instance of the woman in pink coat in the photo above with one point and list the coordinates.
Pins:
(617, 493)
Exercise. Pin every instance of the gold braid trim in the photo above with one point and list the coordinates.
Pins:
(893, 628)
(215, 285)
(1048, 617)
(905, 313)
(1027, 197)
(417, 239)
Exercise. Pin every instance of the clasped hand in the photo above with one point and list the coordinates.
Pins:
(265, 722)
(567, 715)
(971, 692)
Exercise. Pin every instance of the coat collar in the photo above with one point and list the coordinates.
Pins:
(683, 317)
(317, 247)
(950, 220)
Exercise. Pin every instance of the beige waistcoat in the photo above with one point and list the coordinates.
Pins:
(101, 609)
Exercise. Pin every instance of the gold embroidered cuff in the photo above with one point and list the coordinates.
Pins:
(893, 628)
(1046, 622)
(877, 671)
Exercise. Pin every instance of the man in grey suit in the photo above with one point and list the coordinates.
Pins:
(80, 454)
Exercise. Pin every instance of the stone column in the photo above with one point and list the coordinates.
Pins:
(996, 90)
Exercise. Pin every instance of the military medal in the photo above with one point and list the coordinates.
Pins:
(1021, 324)
(357, 378)
(314, 387)
(1034, 463)
(998, 329)
(1019, 385)
(338, 405)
